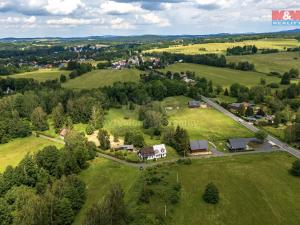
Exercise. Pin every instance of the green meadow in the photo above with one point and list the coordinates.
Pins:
(254, 189)
(101, 78)
(98, 178)
(41, 75)
(222, 76)
(266, 63)
(220, 48)
(207, 124)
(13, 152)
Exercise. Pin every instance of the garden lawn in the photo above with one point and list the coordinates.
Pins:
(222, 76)
(220, 48)
(266, 63)
(98, 178)
(13, 152)
(101, 78)
(41, 75)
(207, 124)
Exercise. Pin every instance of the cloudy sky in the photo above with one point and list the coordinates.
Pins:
(74, 18)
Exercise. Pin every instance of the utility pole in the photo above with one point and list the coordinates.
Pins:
(177, 178)
(165, 210)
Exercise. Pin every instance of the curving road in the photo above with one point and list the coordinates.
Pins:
(282, 145)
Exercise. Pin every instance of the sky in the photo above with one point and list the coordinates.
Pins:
(78, 18)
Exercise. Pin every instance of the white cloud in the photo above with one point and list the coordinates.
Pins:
(74, 22)
(62, 7)
(18, 20)
(151, 18)
(120, 23)
(112, 7)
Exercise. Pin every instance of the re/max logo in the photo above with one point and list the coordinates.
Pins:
(286, 17)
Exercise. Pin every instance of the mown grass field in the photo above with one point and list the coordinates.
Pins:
(13, 152)
(98, 178)
(254, 189)
(222, 76)
(207, 124)
(101, 78)
(220, 48)
(266, 63)
(42, 74)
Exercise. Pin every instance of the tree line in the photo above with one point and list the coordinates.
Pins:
(44, 188)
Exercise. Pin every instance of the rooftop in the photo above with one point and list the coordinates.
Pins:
(199, 144)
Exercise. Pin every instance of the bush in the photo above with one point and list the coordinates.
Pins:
(211, 194)
(146, 195)
(177, 187)
(174, 198)
(261, 135)
(186, 161)
(295, 170)
(273, 85)
(89, 130)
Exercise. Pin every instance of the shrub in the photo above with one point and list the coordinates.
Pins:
(89, 130)
(261, 135)
(186, 161)
(146, 195)
(295, 170)
(177, 187)
(174, 198)
(211, 194)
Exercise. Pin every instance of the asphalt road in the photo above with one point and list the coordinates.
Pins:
(280, 144)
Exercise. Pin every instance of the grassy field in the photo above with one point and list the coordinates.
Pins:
(42, 74)
(220, 48)
(222, 76)
(207, 124)
(266, 63)
(100, 78)
(277, 132)
(99, 176)
(13, 152)
(254, 189)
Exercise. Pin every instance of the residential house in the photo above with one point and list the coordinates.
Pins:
(198, 146)
(153, 152)
(241, 144)
(237, 105)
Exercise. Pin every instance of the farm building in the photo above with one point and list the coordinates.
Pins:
(153, 152)
(240, 144)
(198, 146)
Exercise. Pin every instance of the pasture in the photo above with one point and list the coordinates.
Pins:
(254, 189)
(222, 76)
(220, 48)
(41, 75)
(207, 124)
(13, 152)
(266, 63)
(101, 78)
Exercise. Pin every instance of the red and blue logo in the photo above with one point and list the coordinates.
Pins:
(286, 17)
